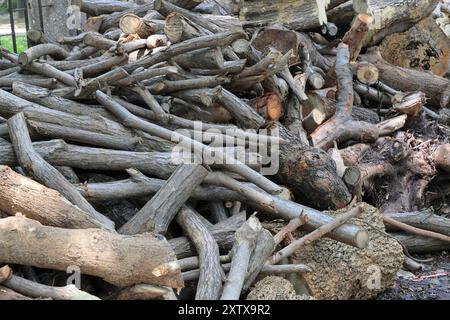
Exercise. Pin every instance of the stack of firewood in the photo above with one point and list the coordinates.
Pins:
(100, 136)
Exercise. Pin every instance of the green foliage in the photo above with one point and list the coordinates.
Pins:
(6, 42)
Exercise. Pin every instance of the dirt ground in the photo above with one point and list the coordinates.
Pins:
(430, 283)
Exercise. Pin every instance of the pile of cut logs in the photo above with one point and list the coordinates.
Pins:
(100, 136)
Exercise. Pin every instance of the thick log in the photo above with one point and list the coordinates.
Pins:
(367, 73)
(112, 20)
(424, 47)
(33, 162)
(342, 15)
(40, 50)
(420, 232)
(246, 237)
(211, 275)
(133, 24)
(9, 81)
(204, 58)
(96, 8)
(159, 212)
(178, 28)
(417, 244)
(120, 260)
(393, 16)
(264, 248)
(54, 131)
(436, 88)
(37, 202)
(49, 71)
(296, 15)
(166, 8)
(442, 157)
(423, 220)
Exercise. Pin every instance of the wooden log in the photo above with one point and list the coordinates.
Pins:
(393, 16)
(40, 50)
(167, 86)
(416, 231)
(417, 244)
(211, 275)
(367, 73)
(146, 74)
(437, 89)
(112, 20)
(59, 153)
(111, 258)
(354, 180)
(37, 290)
(354, 37)
(49, 83)
(159, 212)
(423, 47)
(246, 237)
(47, 70)
(54, 131)
(342, 15)
(166, 8)
(43, 97)
(264, 248)
(84, 53)
(292, 14)
(37, 36)
(37, 202)
(133, 24)
(222, 232)
(94, 69)
(205, 58)
(95, 8)
(217, 211)
(178, 28)
(7, 294)
(247, 192)
(187, 4)
(145, 292)
(423, 220)
(194, 262)
(442, 157)
(31, 161)
(98, 41)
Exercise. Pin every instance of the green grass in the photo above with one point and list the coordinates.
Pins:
(6, 42)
